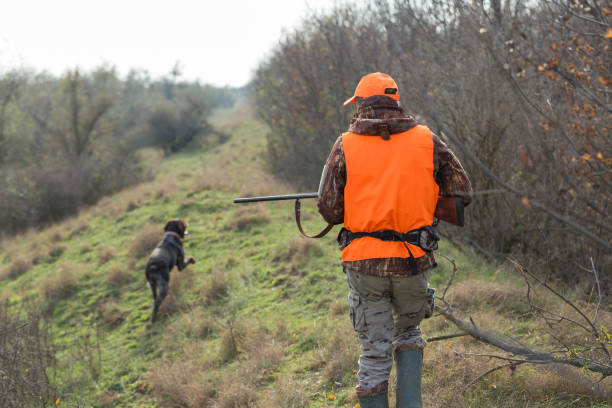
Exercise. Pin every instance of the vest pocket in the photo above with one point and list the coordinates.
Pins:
(357, 313)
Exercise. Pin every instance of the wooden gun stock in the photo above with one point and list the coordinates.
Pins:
(450, 209)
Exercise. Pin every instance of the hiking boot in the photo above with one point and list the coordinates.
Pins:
(374, 401)
(409, 368)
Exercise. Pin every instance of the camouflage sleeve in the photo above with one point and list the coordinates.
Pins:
(331, 201)
(449, 174)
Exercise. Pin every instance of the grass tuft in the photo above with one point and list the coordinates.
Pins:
(181, 383)
(105, 255)
(17, 268)
(146, 240)
(60, 286)
(118, 276)
(248, 217)
(216, 287)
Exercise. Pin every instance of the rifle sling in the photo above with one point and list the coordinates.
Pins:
(321, 234)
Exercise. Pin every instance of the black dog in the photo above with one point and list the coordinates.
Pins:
(169, 252)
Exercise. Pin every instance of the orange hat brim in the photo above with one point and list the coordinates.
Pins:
(350, 100)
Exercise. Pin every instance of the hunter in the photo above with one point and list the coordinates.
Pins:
(382, 180)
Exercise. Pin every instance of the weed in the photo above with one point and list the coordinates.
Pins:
(17, 268)
(340, 354)
(105, 255)
(145, 241)
(79, 228)
(216, 287)
(60, 286)
(228, 349)
(339, 307)
(181, 383)
(301, 248)
(246, 218)
(56, 250)
(118, 276)
(287, 392)
(236, 393)
(111, 314)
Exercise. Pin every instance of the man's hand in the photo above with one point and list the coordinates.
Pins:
(191, 260)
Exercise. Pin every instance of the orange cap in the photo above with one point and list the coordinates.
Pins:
(375, 83)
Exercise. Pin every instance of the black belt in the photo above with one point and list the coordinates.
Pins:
(425, 238)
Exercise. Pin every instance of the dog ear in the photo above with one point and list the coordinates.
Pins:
(167, 226)
(183, 227)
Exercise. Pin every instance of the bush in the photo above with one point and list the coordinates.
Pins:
(510, 96)
(26, 354)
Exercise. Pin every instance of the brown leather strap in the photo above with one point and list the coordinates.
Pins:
(321, 234)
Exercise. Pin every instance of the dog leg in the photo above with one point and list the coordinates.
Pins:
(162, 284)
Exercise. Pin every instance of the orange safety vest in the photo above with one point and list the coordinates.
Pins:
(389, 186)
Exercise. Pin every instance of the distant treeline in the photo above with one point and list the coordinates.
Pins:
(66, 142)
(522, 91)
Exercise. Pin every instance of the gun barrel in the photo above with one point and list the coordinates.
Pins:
(275, 198)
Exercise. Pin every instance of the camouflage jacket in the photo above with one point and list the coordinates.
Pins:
(381, 116)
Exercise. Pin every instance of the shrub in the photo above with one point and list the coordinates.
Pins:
(26, 354)
(526, 64)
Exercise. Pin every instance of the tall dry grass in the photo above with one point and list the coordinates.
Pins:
(146, 240)
(60, 286)
(17, 268)
(182, 383)
(248, 217)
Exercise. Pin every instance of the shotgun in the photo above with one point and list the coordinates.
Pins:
(448, 209)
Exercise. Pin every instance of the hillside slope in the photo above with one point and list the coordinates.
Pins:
(260, 320)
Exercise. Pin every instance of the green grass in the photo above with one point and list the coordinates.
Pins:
(274, 298)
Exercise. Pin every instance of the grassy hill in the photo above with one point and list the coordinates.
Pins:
(261, 319)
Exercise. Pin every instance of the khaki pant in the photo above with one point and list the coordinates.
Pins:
(386, 312)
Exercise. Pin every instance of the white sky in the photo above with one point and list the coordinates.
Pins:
(218, 42)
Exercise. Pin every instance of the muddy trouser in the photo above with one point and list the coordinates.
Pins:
(158, 275)
(386, 312)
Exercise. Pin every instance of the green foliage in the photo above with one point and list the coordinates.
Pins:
(508, 83)
(67, 142)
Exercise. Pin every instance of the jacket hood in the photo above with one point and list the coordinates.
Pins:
(382, 116)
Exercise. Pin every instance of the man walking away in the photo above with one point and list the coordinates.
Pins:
(382, 181)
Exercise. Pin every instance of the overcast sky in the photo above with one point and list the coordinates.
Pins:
(219, 42)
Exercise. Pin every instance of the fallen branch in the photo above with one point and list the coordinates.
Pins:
(449, 336)
(530, 356)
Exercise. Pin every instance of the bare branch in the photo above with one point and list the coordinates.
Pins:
(531, 356)
(446, 337)
(512, 366)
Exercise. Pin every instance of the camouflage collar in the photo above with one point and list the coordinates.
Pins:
(380, 116)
